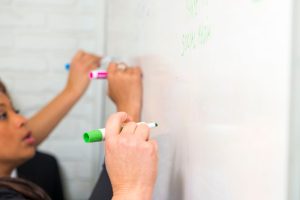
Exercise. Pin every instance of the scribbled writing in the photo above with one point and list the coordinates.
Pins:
(193, 39)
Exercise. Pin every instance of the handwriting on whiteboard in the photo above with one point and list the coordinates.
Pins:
(201, 34)
(193, 6)
(193, 39)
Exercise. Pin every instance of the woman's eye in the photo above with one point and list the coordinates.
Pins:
(3, 116)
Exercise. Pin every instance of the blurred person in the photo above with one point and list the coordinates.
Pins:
(131, 157)
(125, 89)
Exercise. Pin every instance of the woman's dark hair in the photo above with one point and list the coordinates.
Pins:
(3, 89)
(25, 188)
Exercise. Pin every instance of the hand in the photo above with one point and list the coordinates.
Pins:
(131, 158)
(81, 65)
(125, 89)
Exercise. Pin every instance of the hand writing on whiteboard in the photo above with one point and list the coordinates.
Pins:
(125, 89)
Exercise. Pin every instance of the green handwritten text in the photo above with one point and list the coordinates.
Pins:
(193, 39)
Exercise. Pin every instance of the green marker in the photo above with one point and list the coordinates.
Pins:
(98, 135)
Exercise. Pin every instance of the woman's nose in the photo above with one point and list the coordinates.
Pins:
(20, 120)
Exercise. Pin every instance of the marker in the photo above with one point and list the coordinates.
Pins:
(98, 74)
(104, 62)
(67, 66)
(99, 134)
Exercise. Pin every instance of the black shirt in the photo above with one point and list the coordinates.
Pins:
(8, 194)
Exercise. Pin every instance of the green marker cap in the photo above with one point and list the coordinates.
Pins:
(93, 136)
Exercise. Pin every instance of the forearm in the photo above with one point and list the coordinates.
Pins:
(48, 118)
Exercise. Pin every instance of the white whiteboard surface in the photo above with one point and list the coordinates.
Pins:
(294, 169)
(217, 80)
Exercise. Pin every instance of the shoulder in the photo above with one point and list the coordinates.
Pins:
(8, 194)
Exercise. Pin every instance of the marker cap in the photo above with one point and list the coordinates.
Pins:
(93, 136)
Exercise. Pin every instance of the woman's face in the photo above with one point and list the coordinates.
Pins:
(16, 141)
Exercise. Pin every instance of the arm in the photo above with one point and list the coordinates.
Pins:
(47, 119)
(131, 159)
(125, 90)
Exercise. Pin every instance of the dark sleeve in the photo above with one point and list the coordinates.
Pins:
(103, 188)
(43, 170)
(8, 194)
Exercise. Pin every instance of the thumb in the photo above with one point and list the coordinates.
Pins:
(114, 124)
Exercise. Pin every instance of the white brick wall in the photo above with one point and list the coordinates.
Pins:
(44, 2)
(37, 38)
(13, 19)
(5, 2)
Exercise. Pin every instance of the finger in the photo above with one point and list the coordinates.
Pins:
(138, 71)
(122, 67)
(93, 63)
(78, 55)
(112, 67)
(114, 124)
(129, 70)
(87, 57)
(129, 129)
(96, 56)
(130, 119)
(154, 144)
(142, 132)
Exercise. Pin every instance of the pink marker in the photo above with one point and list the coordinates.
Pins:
(98, 74)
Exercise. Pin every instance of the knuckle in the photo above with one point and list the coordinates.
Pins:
(128, 143)
(138, 69)
(123, 141)
(110, 67)
(136, 76)
(131, 124)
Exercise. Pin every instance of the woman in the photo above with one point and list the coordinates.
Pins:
(19, 136)
(131, 157)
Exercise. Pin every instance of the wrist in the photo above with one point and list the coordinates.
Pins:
(71, 93)
(139, 194)
(133, 110)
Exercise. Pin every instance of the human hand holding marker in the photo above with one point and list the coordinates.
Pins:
(131, 158)
(101, 74)
(98, 135)
(125, 89)
(81, 64)
(104, 61)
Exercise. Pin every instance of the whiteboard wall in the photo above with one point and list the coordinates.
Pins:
(217, 80)
(294, 168)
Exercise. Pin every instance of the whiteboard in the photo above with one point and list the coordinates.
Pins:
(294, 168)
(217, 80)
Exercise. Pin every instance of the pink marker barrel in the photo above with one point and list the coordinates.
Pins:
(98, 74)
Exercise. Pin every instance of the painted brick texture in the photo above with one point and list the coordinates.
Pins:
(37, 37)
